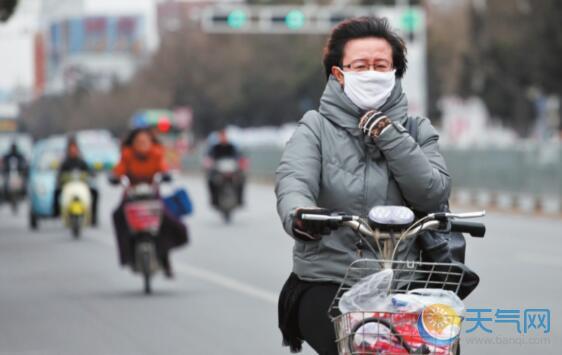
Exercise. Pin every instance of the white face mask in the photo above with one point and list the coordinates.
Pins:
(370, 89)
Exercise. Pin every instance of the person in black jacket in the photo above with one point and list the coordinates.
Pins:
(74, 161)
(223, 149)
(13, 155)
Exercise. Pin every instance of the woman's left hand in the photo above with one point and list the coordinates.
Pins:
(373, 123)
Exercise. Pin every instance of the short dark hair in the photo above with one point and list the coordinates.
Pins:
(70, 141)
(362, 27)
(132, 135)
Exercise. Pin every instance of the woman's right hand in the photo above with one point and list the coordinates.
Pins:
(310, 230)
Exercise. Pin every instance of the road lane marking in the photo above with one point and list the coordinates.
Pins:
(218, 279)
(228, 282)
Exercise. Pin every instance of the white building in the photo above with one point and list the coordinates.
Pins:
(94, 43)
(16, 48)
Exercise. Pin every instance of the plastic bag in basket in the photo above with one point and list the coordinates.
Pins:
(368, 294)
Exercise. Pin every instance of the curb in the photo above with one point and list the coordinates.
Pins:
(515, 203)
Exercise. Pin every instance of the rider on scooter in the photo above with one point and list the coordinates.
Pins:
(13, 154)
(142, 157)
(223, 149)
(73, 161)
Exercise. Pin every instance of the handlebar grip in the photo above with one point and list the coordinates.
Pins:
(320, 217)
(165, 177)
(473, 228)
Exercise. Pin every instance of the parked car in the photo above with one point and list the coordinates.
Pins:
(46, 158)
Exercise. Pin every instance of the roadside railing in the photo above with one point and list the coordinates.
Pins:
(527, 177)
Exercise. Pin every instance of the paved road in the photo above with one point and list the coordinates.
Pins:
(60, 296)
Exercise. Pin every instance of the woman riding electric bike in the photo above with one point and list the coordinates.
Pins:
(351, 154)
(142, 161)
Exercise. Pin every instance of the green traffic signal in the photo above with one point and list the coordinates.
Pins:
(295, 19)
(236, 19)
(411, 20)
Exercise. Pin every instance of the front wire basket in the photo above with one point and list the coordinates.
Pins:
(372, 332)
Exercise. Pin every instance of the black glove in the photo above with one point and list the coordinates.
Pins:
(166, 177)
(310, 230)
(113, 180)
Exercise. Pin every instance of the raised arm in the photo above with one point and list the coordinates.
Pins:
(419, 168)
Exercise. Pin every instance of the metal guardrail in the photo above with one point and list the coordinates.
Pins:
(263, 160)
(530, 169)
(529, 172)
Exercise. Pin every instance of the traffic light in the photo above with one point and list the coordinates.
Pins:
(226, 19)
(303, 19)
(410, 21)
(266, 19)
(294, 19)
(284, 19)
(234, 19)
(237, 19)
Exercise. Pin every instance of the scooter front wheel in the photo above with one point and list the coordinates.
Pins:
(76, 227)
(33, 221)
(146, 274)
(14, 206)
(227, 216)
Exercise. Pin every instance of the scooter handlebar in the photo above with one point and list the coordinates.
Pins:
(473, 228)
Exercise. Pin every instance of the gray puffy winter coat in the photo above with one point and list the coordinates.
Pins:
(329, 163)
